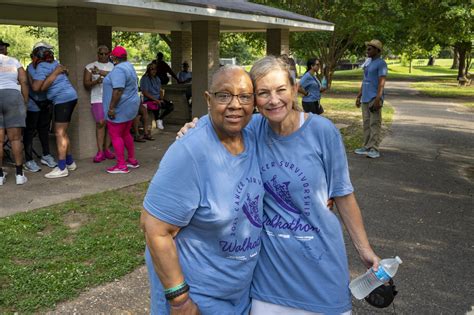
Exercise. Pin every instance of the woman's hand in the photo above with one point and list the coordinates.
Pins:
(111, 113)
(60, 69)
(187, 307)
(186, 127)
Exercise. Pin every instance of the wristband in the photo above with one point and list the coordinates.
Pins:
(179, 286)
(177, 292)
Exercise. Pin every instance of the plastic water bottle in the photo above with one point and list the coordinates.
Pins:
(324, 82)
(366, 283)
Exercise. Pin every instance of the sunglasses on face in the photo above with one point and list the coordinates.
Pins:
(102, 54)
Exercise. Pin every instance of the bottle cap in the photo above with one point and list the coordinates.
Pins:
(398, 259)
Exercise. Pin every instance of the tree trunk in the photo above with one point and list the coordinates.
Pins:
(455, 64)
(409, 69)
(431, 61)
(464, 49)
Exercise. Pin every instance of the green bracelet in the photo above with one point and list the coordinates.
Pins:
(176, 288)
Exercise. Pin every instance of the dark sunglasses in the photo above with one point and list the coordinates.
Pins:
(103, 54)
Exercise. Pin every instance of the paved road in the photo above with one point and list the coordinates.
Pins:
(417, 202)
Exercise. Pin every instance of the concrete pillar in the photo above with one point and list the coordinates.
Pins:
(205, 49)
(104, 36)
(278, 41)
(77, 35)
(181, 43)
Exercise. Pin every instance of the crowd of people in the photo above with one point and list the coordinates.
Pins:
(248, 229)
(41, 99)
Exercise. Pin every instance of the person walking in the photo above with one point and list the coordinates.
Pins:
(371, 97)
(94, 74)
(13, 97)
(120, 100)
(311, 88)
(50, 76)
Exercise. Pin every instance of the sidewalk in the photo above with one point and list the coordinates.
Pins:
(89, 178)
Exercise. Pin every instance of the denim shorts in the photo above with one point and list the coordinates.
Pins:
(12, 109)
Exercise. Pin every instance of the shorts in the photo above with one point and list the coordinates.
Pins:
(63, 111)
(97, 110)
(12, 109)
(151, 105)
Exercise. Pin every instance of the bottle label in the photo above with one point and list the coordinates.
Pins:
(382, 275)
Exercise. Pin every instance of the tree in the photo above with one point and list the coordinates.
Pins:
(356, 21)
(445, 23)
(246, 47)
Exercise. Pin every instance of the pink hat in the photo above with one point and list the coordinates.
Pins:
(119, 52)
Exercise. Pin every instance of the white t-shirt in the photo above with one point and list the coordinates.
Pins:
(9, 73)
(96, 92)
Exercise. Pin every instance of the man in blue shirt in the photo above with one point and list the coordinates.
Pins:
(370, 97)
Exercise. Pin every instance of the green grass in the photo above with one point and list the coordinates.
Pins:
(52, 254)
(440, 71)
(469, 104)
(345, 86)
(446, 89)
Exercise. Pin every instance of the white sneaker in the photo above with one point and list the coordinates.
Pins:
(373, 154)
(72, 166)
(21, 179)
(56, 173)
(361, 151)
(3, 178)
(159, 124)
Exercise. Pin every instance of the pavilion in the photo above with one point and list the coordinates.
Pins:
(193, 27)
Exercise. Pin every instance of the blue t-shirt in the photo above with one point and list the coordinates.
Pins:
(311, 85)
(217, 199)
(123, 76)
(372, 72)
(303, 262)
(150, 85)
(34, 96)
(61, 90)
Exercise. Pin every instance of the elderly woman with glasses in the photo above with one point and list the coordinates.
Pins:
(203, 210)
(311, 88)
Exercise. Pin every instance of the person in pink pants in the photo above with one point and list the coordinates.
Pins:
(121, 102)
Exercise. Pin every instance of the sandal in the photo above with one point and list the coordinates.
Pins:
(148, 137)
(138, 139)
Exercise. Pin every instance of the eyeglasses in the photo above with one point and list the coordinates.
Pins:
(224, 98)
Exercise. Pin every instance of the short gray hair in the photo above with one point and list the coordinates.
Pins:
(224, 69)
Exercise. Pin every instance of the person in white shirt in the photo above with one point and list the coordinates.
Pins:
(13, 97)
(94, 73)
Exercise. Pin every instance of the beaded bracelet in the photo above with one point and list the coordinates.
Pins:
(178, 292)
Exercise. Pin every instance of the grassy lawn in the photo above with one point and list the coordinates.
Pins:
(444, 89)
(52, 254)
(440, 71)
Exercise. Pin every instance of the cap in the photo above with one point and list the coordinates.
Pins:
(42, 44)
(2, 43)
(375, 43)
(119, 51)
